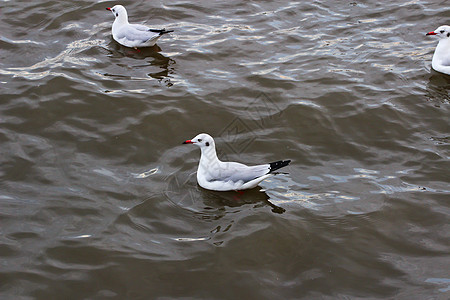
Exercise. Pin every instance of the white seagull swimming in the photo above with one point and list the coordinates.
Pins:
(216, 175)
(441, 57)
(133, 35)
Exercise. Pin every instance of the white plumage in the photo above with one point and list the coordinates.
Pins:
(441, 57)
(213, 174)
(133, 35)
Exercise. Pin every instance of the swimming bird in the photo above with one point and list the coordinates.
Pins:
(216, 175)
(441, 57)
(133, 35)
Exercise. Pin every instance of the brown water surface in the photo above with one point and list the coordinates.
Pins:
(98, 197)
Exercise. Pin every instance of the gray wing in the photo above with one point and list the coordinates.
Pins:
(136, 32)
(236, 171)
(140, 27)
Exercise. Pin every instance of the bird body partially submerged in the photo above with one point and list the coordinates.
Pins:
(441, 56)
(133, 35)
(214, 174)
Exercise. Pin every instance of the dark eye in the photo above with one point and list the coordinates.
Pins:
(199, 140)
(442, 31)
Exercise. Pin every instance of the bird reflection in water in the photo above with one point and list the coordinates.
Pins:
(183, 191)
(438, 88)
(255, 196)
(158, 60)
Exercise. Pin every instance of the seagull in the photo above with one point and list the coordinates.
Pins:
(133, 35)
(216, 175)
(441, 57)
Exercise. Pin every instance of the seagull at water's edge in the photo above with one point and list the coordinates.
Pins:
(133, 35)
(216, 175)
(441, 57)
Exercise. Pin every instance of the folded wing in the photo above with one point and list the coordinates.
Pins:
(136, 32)
(232, 171)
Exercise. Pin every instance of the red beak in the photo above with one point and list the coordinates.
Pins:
(108, 8)
(431, 33)
(188, 142)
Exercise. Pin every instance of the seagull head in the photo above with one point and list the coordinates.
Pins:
(442, 32)
(203, 140)
(118, 11)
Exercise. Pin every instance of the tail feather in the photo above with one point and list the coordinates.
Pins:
(278, 165)
(161, 31)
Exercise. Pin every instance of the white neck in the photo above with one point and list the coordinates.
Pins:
(208, 157)
(121, 19)
(441, 57)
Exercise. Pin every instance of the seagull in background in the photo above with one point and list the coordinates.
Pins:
(441, 57)
(133, 35)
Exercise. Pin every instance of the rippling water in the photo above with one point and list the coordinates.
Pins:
(99, 198)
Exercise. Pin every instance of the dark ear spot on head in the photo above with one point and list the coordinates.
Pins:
(117, 15)
(448, 34)
(207, 144)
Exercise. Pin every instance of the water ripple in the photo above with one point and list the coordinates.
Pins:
(98, 192)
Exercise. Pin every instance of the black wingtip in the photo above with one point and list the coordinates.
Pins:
(161, 31)
(278, 165)
(165, 31)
